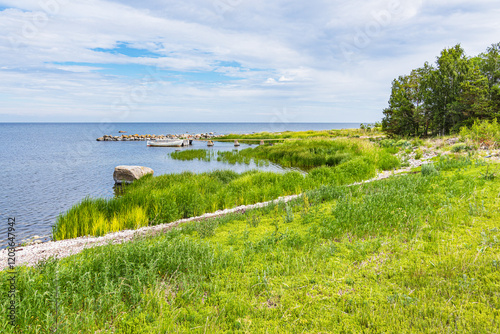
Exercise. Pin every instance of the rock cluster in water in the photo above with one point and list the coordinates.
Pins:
(137, 137)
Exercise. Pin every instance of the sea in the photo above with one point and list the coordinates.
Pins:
(46, 168)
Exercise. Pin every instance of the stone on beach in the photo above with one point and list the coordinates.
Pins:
(128, 174)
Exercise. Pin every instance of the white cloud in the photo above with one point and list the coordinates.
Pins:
(328, 60)
(284, 79)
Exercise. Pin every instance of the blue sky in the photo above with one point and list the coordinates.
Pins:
(223, 60)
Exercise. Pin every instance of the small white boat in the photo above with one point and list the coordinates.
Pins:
(165, 143)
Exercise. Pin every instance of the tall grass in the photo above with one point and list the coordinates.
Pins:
(170, 197)
(232, 157)
(308, 154)
(199, 154)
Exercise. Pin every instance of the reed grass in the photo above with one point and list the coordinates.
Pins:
(414, 253)
(307, 154)
(232, 157)
(198, 154)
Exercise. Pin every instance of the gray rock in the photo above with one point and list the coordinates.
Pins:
(128, 174)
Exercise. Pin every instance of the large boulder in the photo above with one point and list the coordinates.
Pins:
(128, 174)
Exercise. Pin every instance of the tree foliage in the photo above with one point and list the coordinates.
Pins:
(441, 98)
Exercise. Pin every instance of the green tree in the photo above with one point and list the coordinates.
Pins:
(452, 67)
(473, 100)
(407, 114)
(420, 87)
(490, 66)
(440, 99)
(400, 117)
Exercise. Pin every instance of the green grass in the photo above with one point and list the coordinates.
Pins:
(235, 157)
(459, 147)
(307, 153)
(166, 198)
(302, 134)
(415, 253)
(232, 157)
(199, 154)
(301, 153)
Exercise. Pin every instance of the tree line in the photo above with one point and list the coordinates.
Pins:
(439, 99)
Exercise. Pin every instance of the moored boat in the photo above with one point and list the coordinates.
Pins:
(165, 143)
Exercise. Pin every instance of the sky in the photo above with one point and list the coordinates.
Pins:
(223, 60)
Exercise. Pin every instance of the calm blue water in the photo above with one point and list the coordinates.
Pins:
(48, 167)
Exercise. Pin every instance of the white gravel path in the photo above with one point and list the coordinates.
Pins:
(30, 255)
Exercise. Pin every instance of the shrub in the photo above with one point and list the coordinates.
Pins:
(403, 143)
(387, 143)
(418, 154)
(483, 133)
(459, 147)
(429, 170)
(387, 161)
(417, 142)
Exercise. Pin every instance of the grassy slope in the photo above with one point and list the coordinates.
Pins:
(409, 254)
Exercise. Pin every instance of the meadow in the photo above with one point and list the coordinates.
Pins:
(412, 253)
(166, 198)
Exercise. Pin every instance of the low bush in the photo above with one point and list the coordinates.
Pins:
(429, 170)
(460, 147)
(482, 133)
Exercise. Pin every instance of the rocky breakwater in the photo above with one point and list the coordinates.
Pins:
(137, 137)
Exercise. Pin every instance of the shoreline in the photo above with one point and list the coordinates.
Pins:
(31, 254)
